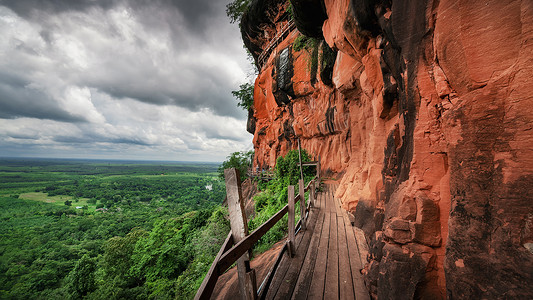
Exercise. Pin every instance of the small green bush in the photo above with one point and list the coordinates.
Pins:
(274, 197)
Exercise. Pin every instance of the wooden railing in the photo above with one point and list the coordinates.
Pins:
(260, 174)
(280, 36)
(236, 248)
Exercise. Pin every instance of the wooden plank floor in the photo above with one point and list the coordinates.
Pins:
(328, 259)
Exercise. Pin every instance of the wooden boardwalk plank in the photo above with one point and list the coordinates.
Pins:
(346, 286)
(306, 273)
(362, 246)
(323, 200)
(316, 290)
(291, 276)
(331, 287)
(330, 197)
(338, 208)
(284, 265)
(356, 264)
(329, 257)
(361, 293)
(326, 202)
(282, 269)
(319, 201)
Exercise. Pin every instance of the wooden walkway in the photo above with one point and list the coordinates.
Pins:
(328, 260)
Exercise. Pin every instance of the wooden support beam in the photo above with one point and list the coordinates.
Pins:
(318, 169)
(300, 159)
(302, 203)
(312, 194)
(251, 281)
(290, 241)
(239, 229)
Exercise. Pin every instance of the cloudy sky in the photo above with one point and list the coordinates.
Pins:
(120, 79)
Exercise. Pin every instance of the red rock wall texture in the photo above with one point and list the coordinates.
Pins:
(425, 115)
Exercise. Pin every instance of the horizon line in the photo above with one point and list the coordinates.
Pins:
(106, 159)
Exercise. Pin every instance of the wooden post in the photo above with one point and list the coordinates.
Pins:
(312, 194)
(290, 193)
(302, 203)
(300, 159)
(239, 229)
(318, 169)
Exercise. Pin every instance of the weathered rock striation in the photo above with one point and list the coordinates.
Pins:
(423, 110)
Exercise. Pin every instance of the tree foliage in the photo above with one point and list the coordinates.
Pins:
(245, 93)
(240, 160)
(288, 167)
(236, 8)
(245, 96)
(81, 280)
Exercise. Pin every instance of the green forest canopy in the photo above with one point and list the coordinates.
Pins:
(156, 231)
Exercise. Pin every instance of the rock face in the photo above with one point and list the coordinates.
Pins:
(423, 110)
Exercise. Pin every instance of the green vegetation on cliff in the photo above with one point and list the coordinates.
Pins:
(273, 197)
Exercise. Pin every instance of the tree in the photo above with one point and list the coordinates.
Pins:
(245, 95)
(239, 160)
(236, 9)
(117, 256)
(80, 280)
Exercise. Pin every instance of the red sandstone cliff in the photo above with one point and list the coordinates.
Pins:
(423, 109)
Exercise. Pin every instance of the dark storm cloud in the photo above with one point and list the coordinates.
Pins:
(205, 87)
(196, 13)
(25, 8)
(18, 99)
(99, 139)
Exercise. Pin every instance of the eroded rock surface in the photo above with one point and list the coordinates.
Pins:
(423, 110)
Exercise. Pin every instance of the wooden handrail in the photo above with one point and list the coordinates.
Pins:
(275, 41)
(241, 247)
(228, 255)
(251, 172)
(308, 186)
